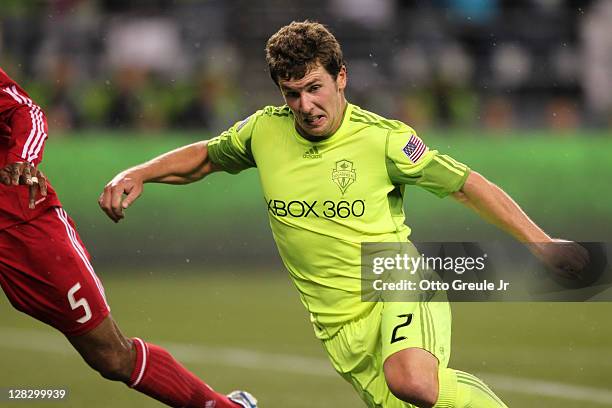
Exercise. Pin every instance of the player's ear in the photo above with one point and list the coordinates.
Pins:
(341, 78)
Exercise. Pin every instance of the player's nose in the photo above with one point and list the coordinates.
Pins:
(306, 105)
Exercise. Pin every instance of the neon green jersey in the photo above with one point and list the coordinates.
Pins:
(324, 198)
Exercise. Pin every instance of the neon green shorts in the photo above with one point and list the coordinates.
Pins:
(360, 348)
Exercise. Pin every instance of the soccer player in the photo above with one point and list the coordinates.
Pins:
(333, 175)
(45, 270)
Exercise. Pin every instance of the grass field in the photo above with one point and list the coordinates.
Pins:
(239, 330)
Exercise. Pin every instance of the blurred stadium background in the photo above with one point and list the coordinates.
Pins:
(519, 90)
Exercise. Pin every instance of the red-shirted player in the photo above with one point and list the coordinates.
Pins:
(45, 270)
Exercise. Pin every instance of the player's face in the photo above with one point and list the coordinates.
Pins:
(316, 100)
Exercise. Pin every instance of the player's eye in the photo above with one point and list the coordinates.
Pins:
(315, 88)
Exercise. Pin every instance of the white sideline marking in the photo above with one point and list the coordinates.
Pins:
(549, 389)
(42, 341)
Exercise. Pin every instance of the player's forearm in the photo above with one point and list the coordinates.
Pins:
(180, 166)
(497, 207)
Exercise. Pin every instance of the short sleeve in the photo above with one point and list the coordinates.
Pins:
(410, 161)
(232, 149)
(25, 123)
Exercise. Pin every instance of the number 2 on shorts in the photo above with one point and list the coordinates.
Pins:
(406, 323)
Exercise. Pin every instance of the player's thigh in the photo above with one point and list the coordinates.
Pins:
(356, 354)
(45, 272)
(424, 325)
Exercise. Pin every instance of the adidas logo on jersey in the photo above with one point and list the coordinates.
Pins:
(312, 153)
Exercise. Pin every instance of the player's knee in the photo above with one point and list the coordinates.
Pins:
(411, 387)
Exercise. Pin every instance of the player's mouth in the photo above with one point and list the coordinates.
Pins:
(314, 121)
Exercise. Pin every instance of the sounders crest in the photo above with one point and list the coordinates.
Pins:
(344, 174)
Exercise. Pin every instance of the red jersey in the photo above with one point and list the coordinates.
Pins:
(23, 131)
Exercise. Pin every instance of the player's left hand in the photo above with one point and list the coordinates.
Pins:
(25, 173)
(567, 259)
(120, 193)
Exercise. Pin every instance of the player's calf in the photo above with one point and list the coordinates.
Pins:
(107, 350)
(111, 365)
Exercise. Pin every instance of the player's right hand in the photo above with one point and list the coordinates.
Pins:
(112, 200)
(25, 173)
(566, 259)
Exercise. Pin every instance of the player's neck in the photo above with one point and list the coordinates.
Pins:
(343, 105)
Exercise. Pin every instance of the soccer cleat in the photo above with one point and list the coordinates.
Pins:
(243, 399)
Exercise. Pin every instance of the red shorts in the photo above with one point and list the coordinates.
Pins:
(45, 272)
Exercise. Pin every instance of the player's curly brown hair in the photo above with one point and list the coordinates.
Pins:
(299, 46)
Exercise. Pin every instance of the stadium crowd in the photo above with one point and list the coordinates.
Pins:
(190, 64)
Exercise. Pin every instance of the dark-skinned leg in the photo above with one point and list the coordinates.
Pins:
(107, 350)
(145, 367)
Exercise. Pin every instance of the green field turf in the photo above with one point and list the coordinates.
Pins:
(249, 331)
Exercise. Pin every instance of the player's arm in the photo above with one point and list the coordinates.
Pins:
(230, 151)
(181, 166)
(494, 205)
(413, 163)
